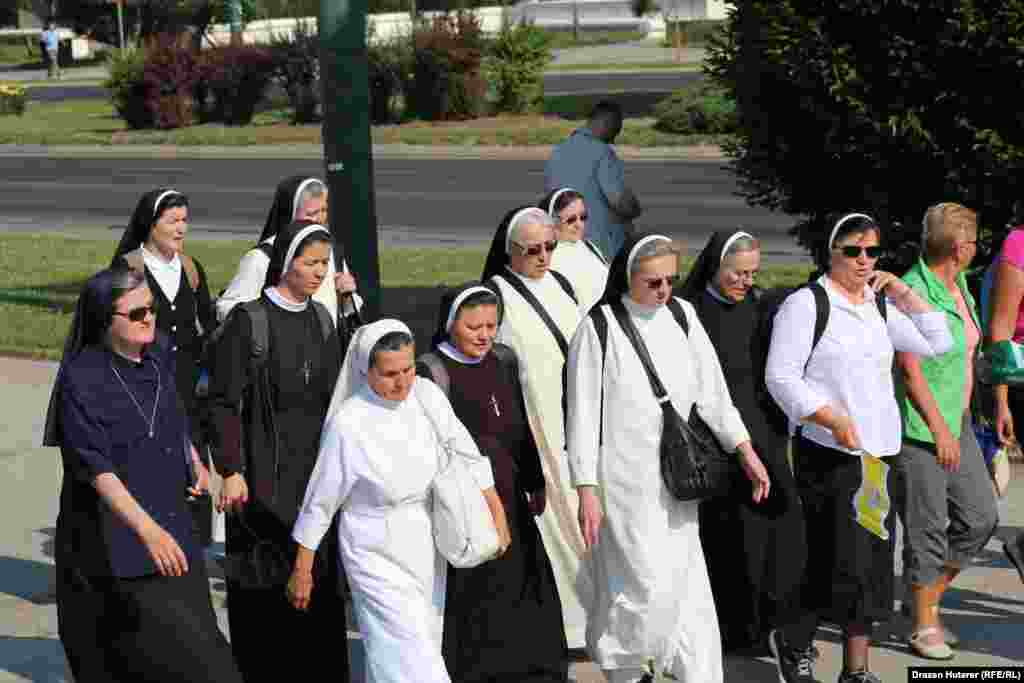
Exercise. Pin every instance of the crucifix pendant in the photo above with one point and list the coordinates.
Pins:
(151, 433)
(306, 372)
(494, 403)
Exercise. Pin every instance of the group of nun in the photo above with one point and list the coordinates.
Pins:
(327, 445)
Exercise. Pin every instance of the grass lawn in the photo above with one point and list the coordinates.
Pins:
(42, 274)
(85, 122)
(563, 38)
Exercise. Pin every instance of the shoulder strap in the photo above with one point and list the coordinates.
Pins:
(434, 367)
(566, 286)
(595, 251)
(601, 328)
(517, 285)
(266, 248)
(134, 260)
(324, 316)
(260, 342)
(822, 308)
(679, 314)
(622, 317)
(883, 310)
(191, 272)
(507, 357)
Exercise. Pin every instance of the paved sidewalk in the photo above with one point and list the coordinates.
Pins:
(986, 608)
(638, 52)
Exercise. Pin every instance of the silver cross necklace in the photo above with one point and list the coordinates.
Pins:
(156, 399)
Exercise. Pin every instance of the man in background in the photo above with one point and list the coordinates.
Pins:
(51, 45)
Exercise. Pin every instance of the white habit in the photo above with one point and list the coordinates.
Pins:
(377, 460)
(588, 272)
(540, 372)
(652, 596)
(248, 283)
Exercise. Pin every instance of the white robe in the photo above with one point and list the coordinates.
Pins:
(377, 460)
(540, 372)
(587, 273)
(652, 594)
(248, 283)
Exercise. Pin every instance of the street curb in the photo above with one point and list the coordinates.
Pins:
(710, 153)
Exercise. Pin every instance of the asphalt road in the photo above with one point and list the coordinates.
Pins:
(419, 202)
(554, 84)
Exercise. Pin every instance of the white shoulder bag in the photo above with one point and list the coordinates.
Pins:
(464, 531)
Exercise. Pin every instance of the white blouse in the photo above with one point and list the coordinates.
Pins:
(852, 365)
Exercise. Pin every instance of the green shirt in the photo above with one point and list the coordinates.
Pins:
(945, 374)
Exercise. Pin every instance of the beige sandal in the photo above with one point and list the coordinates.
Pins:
(938, 651)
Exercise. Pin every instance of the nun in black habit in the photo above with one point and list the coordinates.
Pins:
(503, 619)
(754, 551)
(269, 406)
(133, 598)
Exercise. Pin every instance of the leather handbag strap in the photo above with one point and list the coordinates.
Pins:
(633, 335)
(538, 307)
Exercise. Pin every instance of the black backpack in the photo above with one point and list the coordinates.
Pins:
(431, 366)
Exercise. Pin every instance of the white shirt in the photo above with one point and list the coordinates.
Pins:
(851, 367)
(166, 273)
(587, 273)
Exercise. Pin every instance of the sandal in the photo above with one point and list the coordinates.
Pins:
(938, 651)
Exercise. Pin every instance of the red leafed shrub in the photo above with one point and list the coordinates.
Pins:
(170, 75)
(237, 77)
(447, 81)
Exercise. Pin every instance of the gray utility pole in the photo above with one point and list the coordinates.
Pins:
(348, 151)
(234, 8)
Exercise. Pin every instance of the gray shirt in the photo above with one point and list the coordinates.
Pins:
(590, 166)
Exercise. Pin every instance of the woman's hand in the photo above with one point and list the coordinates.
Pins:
(881, 279)
(201, 485)
(345, 283)
(234, 494)
(1004, 418)
(760, 483)
(498, 517)
(845, 433)
(590, 515)
(300, 588)
(538, 500)
(165, 552)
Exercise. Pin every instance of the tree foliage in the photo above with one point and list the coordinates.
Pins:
(886, 106)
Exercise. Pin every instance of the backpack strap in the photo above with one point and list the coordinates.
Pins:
(566, 286)
(508, 359)
(324, 316)
(134, 260)
(595, 251)
(822, 308)
(679, 314)
(430, 366)
(260, 343)
(188, 264)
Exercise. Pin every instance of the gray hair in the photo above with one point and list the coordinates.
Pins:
(538, 217)
(314, 190)
(392, 341)
(741, 245)
(652, 250)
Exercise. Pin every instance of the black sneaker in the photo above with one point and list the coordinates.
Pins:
(859, 677)
(795, 666)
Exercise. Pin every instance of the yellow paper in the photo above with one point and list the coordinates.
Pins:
(871, 502)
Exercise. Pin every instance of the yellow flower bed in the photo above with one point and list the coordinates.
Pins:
(11, 90)
(12, 99)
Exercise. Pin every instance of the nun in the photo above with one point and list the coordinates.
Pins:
(539, 314)
(297, 198)
(576, 257)
(503, 619)
(133, 598)
(653, 610)
(380, 451)
(269, 406)
(752, 549)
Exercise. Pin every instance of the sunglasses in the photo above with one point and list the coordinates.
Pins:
(851, 251)
(655, 283)
(572, 219)
(137, 315)
(537, 248)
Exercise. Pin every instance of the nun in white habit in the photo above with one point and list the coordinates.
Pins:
(520, 262)
(576, 257)
(653, 610)
(297, 198)
(378, 455)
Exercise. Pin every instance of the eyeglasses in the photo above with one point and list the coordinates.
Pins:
(534, 250)
(578, 217)
(655, 283)
(137, 315)
(852, 251)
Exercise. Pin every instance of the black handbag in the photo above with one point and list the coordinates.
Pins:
(694, 466)
(265, 565)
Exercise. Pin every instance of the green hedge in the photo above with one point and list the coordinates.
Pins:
(699, 108)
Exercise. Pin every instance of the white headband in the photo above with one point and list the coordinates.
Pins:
(729, 242)
(298, 193)
(839, 223)
(554, 198)
(163, 196)
(636, 247)
(515, 219)
(303, 234)
(453, 312)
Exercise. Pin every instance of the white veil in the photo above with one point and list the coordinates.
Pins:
(357, 360)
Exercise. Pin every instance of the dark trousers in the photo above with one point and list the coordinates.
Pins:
(155, 629)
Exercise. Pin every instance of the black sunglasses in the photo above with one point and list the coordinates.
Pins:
(851, 251)
(579, 217)
(655, 283)
(536, 249)
(137, 315)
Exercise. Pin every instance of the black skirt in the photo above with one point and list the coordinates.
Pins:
(849, 575)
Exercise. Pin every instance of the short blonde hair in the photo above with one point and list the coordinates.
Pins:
(943, 225)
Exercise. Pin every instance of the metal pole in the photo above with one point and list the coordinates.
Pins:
(235, 19)
(348, 151)
(575, 22)
(120, 25)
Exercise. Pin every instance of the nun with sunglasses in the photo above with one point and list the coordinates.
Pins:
(837, 390)
(752, 548)
(133, 598)
(268, 416)
(577, 258)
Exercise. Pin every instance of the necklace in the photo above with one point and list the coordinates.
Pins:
(156, 399)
